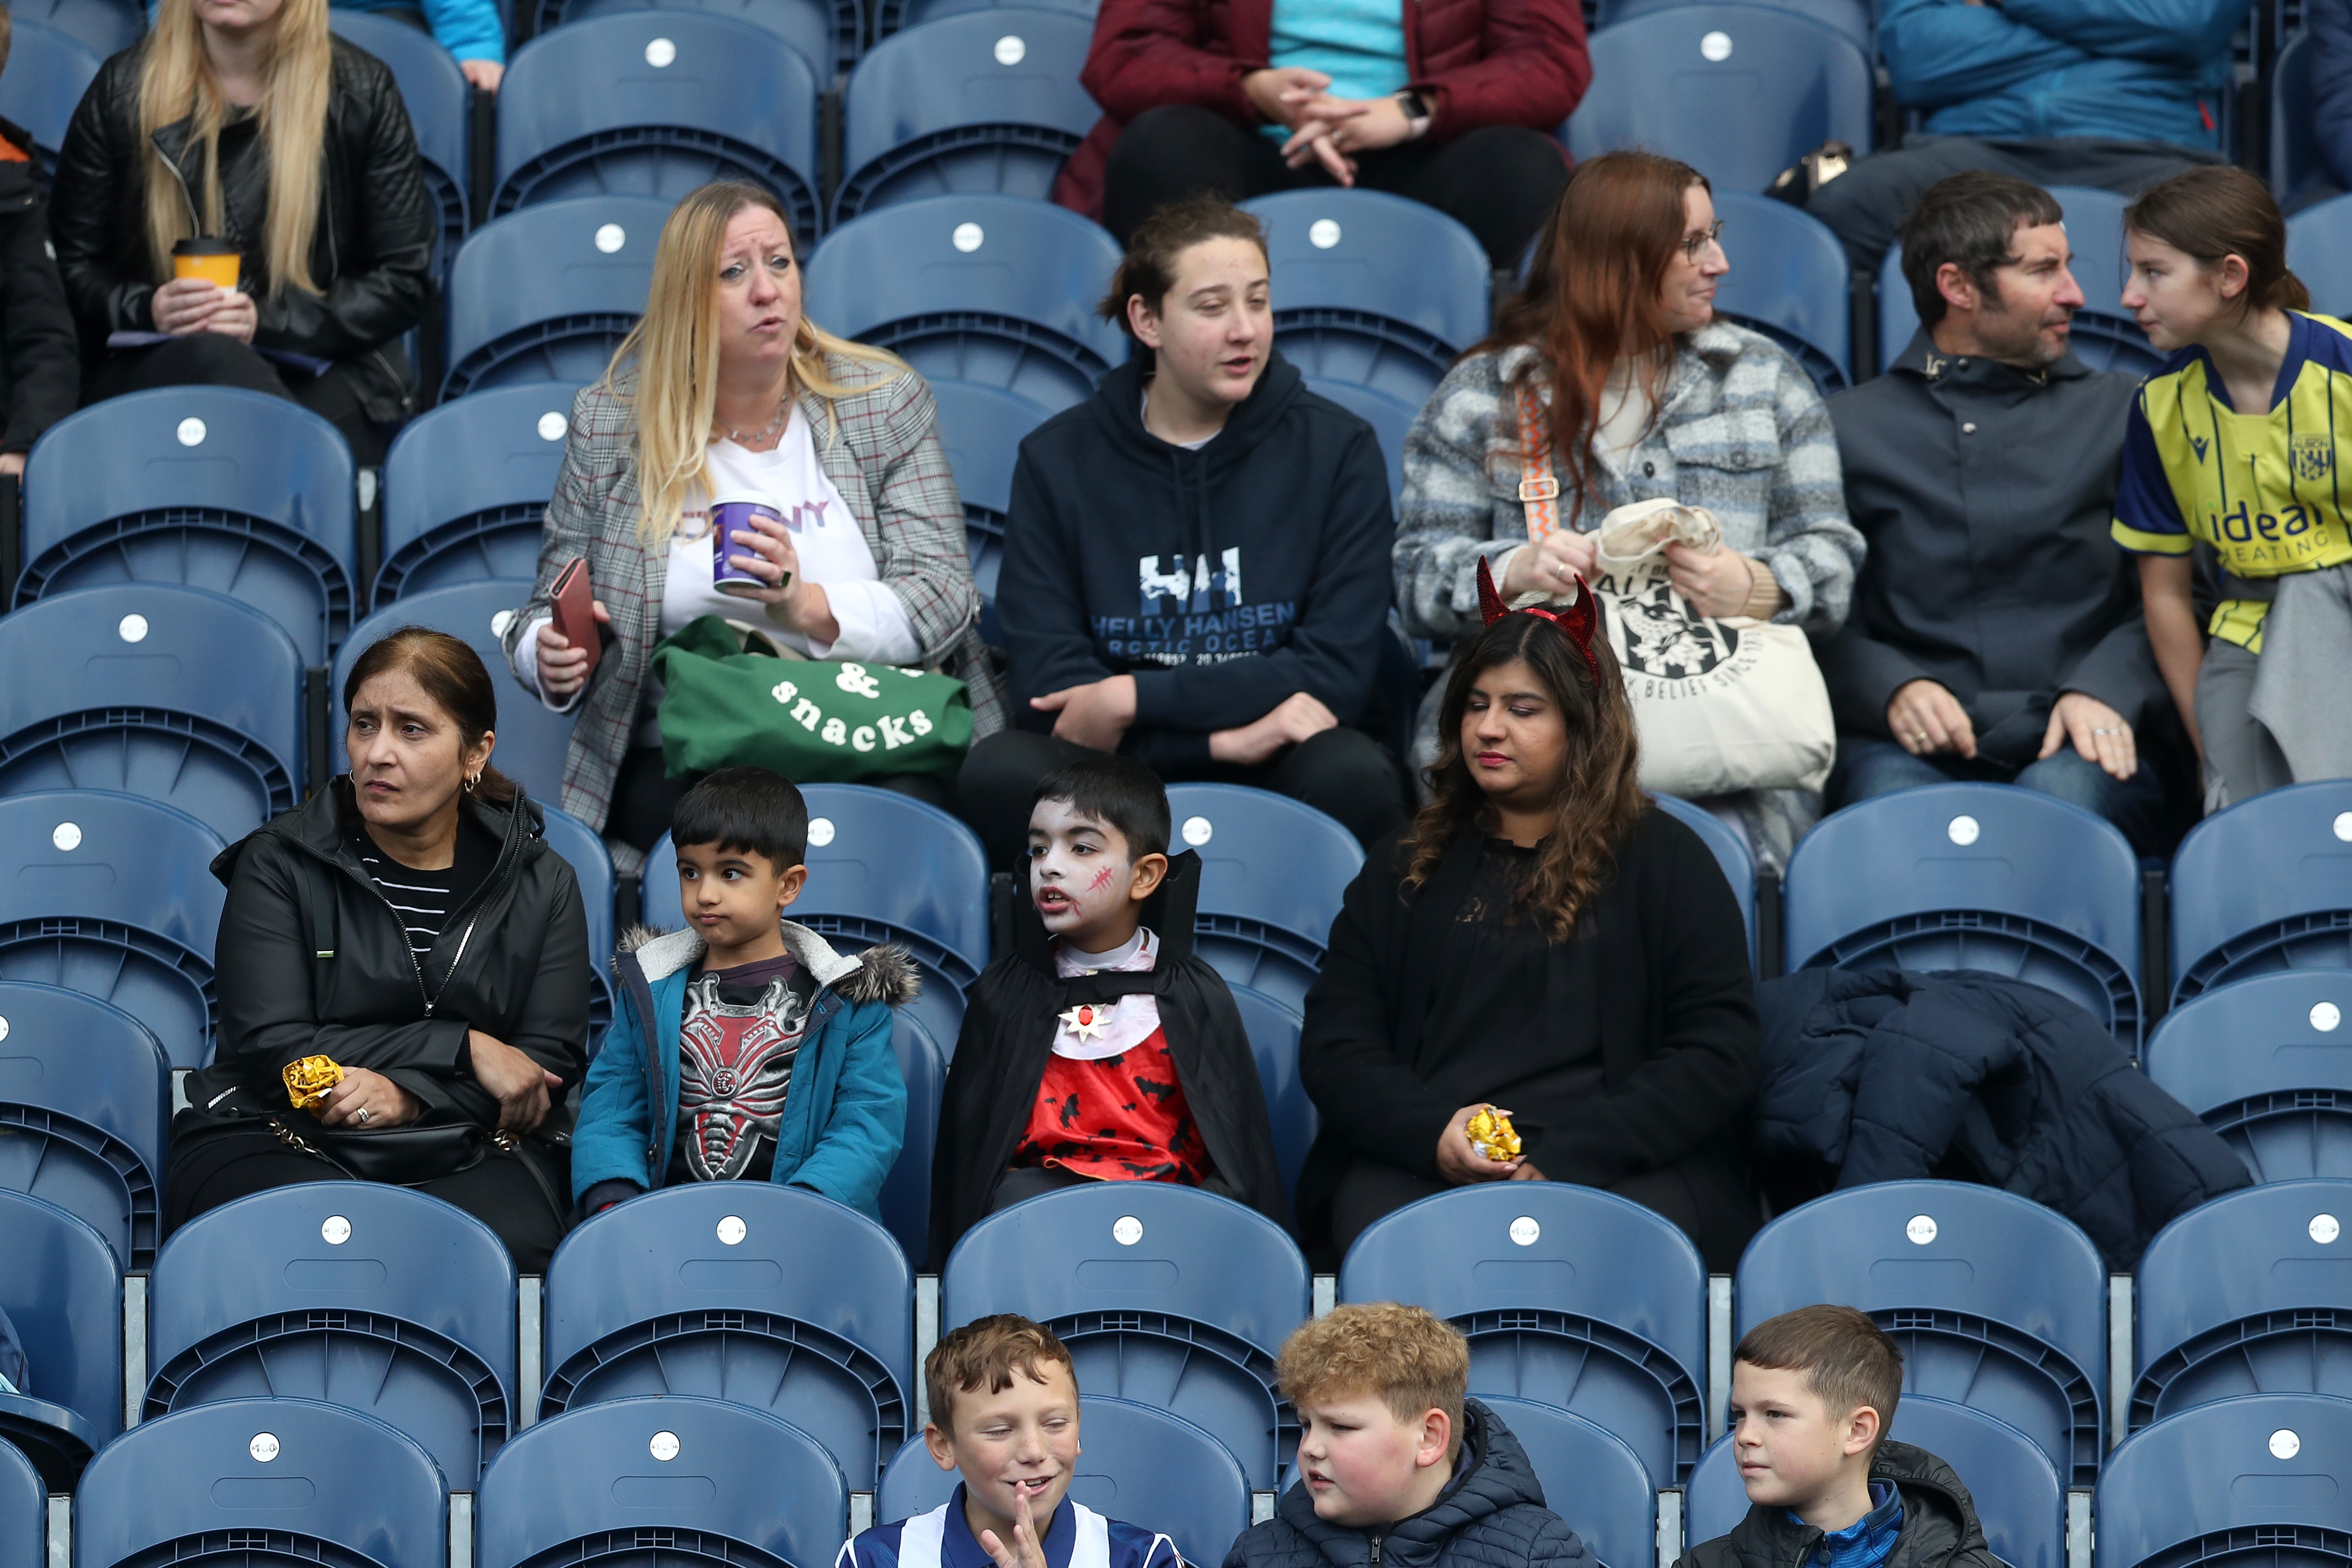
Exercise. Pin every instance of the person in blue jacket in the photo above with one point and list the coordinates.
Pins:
(2329, 23)
(471, 30)
(745, 1048)
(2116, 94)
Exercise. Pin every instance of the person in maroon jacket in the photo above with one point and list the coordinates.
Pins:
(1449, 103)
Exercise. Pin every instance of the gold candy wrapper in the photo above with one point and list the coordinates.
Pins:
(307, 1080)
(1491, 1134)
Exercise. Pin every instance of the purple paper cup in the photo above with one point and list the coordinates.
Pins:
(730, 515)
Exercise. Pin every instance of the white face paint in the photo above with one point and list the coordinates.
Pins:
(1080, 877)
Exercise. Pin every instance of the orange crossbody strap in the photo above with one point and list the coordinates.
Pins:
(1538, 490)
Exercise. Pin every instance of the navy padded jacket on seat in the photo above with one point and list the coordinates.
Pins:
(1491, 1515)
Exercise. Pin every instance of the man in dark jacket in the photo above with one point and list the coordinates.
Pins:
(37, 354)
(1996, 632)
(2329, 23)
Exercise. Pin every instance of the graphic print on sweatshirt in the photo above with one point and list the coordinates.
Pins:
(734, 1066)
(1190, 611)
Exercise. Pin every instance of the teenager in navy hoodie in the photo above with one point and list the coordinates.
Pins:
(1196, 558)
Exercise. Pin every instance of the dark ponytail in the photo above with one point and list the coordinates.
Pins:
(453, 675)
(1148, 269)
(2217, 211)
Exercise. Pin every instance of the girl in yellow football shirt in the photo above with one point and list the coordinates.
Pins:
(2239, 442)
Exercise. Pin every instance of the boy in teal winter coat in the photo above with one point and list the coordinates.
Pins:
(770, 1055)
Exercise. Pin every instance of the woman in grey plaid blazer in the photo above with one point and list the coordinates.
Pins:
(773, 379)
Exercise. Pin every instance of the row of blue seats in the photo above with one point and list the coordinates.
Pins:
(390, 1302)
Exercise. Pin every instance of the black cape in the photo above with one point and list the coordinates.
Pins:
(1008, 1034)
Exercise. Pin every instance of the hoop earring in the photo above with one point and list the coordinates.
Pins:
(473, 781)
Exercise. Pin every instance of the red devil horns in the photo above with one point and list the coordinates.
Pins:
(1578, 620)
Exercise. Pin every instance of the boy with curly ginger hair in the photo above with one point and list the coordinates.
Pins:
(1392, 1450)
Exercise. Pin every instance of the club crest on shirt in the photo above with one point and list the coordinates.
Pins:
(2311, 457)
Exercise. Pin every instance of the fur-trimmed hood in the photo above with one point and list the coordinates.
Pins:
(885, 973)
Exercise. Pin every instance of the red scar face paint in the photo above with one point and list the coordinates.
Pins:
(1102, 880)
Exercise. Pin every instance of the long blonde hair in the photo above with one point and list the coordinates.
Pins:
(674, 349)
(176, 83)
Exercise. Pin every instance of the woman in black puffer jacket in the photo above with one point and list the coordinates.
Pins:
(410, 924)
(247, 120)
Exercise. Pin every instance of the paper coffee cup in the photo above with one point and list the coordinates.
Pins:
(213, 260)
(730, 515)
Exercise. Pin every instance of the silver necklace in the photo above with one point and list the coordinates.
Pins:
(783, 408)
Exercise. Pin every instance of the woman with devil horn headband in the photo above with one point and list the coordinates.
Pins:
(1544, 942)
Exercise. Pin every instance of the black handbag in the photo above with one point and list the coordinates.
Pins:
(397, 1156)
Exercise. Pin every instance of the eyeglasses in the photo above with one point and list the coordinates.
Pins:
(1695, 245)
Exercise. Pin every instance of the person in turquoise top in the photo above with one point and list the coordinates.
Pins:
(471, 30)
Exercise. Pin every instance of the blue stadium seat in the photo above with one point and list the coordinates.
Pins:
(1140, 1463)
(1515, 1264)
(982, 288)
(85, 1092)
(63, 1291)
(1740, 92)
(2244, 1294)
(466, 488)
(906, 1190)
(1730, 852)
(2240, 1482)
(2267, 1063)
(2296, 162)
(769, 1296)
(1388, 416)
(180, 695)
(103, 26)
(548, 293)
(987, 102)
(897, 16)
(24, 1512)
(982, 428)
(592, 862)
(1273, 1028)
(1591, 1478)
(1974, 876)
(356, 1293)
(1273, 872)
(697, 1481)
(2263, 886)
(1789, 279)
(50, 69)
(440, 109)
(1344, 311)
(211, 485)
(1851, 17)
(682, 97)
(1167, 1294)
(825, 32)
(2019, 1498)
(531, 741)
(114, 896)
(1999, 1303)
(262, 1481)
(2319, 251)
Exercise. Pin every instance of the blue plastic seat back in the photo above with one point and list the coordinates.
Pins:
(1999, 1303)
(709, 1289)
(113, 896)
(466, 488)
(1789, 281)
(2319, 251)
(2263, 886)
(1266, 857)
(862, 842)
(2296, 160)
(1591, 1478)
(2244, 1295)
(2267, 1063)
(1139, 1463)
(440, 109)
(1971, 876)
(897, 16)
(2019, 1497)
(85, 1092)
(24, 1512)
(1851, 17)
(1273, 1028)
(1730, 852)
(268, 1480)
(987, 102)
(1570, 1295)
(1166, 1294)
(825, 32)
(548, 293)
(2266, 1478)
(982, 428)
(104, 28)
(1738, 91)
(180, 695)
(682, 97)
(63, 1291)
(906, 1190)
(354, 1293)
(592, 862)
(52, 68)
(705, 1481)
(974, 288)
(1336, 249)
(217, 488)
(1390, 418)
